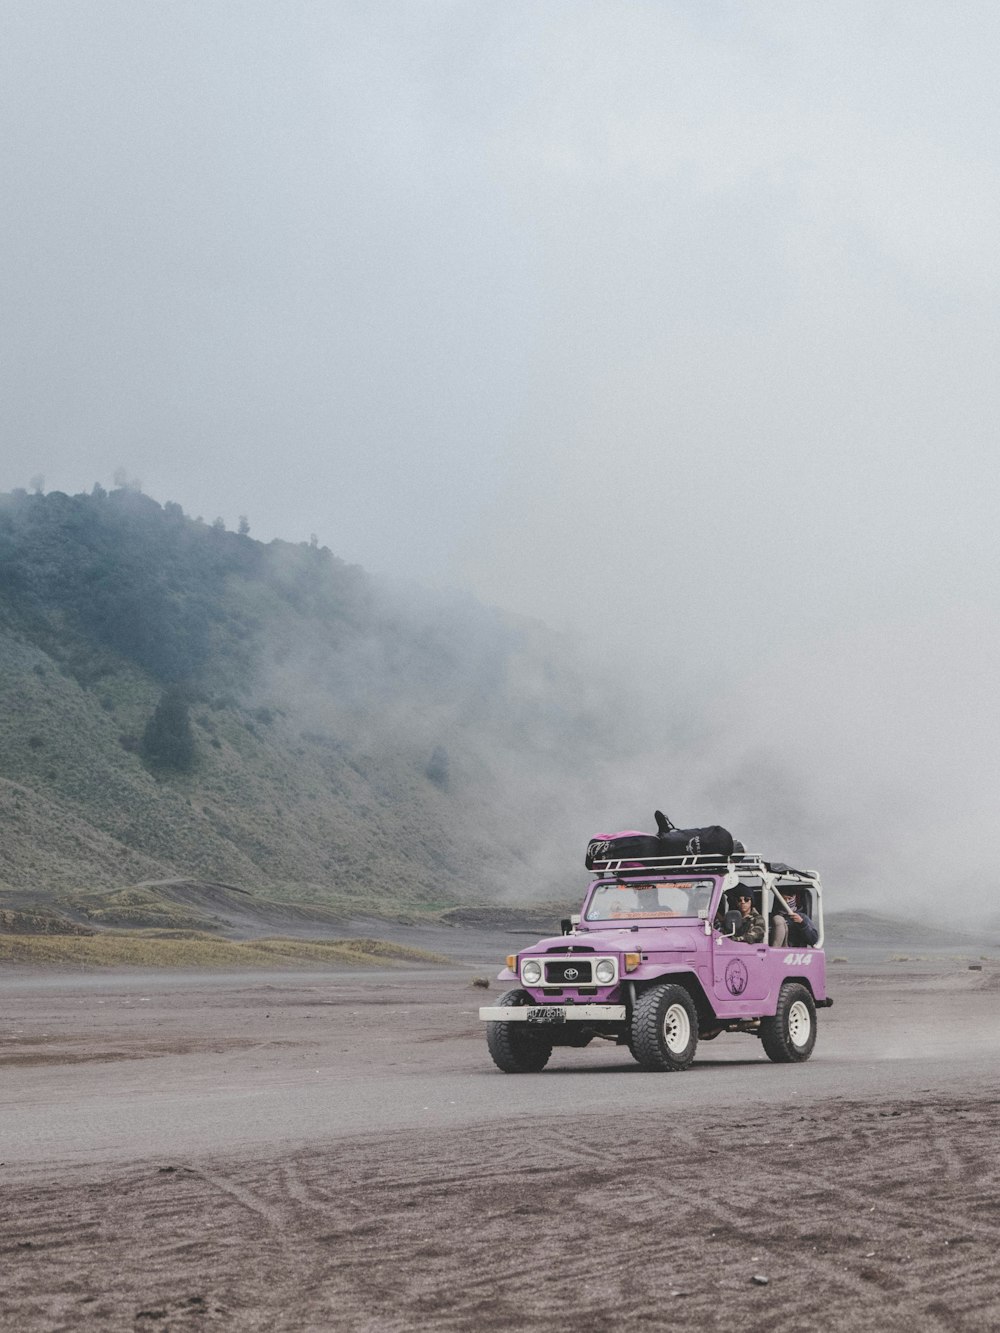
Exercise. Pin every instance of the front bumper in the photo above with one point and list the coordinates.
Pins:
(570, 1013)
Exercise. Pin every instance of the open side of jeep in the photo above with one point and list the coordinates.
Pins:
(652, 963)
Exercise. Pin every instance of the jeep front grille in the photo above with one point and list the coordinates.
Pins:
(569, 972)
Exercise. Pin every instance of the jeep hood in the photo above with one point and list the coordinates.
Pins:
(623, 939)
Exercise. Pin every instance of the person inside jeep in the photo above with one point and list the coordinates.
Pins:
(743, 922)
(792, 928)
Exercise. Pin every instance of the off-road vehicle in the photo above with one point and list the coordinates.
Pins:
(653, 962)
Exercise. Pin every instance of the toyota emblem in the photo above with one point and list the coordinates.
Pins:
(571, 974)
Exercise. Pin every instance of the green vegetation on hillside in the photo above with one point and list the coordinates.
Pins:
(101, 579)
(178, 700)
(168, 741)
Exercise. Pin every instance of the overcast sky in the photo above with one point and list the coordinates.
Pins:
(666, 319)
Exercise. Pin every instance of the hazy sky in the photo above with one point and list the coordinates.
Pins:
(668, 320)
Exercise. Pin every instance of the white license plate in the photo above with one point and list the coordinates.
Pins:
(547, 1013)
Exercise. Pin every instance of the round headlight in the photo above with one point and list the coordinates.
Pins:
(605, 971)
(531, 972)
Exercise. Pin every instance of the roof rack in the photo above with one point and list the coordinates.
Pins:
(632, 865)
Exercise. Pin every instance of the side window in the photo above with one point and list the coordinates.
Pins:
(797, 935)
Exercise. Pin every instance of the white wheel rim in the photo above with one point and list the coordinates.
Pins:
(676, 1029)
(799, 1023)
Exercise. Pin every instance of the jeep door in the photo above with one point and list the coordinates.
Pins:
(739, 971)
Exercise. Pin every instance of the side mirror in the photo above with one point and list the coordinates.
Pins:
(565, 925)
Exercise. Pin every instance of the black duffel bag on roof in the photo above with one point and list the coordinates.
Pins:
(631, 846)
(711, 841)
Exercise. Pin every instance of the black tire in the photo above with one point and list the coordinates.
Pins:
(664, 1033)
(789, 1037)
(517, 1048)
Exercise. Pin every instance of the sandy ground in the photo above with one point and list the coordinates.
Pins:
(337, 1152)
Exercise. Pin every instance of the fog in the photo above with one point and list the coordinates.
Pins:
(670, 325)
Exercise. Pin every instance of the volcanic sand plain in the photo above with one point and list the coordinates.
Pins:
(310, 1151)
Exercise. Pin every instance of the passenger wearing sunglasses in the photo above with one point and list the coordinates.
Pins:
(747, 922)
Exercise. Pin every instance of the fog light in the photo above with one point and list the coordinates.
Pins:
(531, 972)
(605, 971)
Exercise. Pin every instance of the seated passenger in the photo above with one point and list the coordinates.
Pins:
(744, 922)
(751, 929)
(793, 928)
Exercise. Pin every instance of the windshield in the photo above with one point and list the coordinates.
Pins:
(617, 900)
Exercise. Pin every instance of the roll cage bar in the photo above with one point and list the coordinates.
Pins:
(736, 864)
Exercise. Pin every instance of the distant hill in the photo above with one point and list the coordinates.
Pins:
(870, 930)
(178, 701)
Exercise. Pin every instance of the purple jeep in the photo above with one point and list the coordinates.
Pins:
(655, 961)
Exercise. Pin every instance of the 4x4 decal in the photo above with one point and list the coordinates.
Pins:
(797, 959)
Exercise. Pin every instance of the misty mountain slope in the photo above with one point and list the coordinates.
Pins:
(177, 700)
